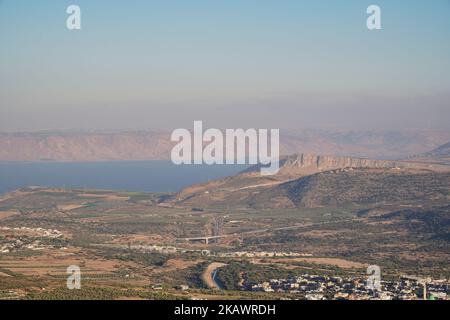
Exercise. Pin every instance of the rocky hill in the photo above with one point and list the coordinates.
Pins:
(363, 186)
(440, 155)
(442, 151)
(434, 221)
(312, 180)
(303, 164)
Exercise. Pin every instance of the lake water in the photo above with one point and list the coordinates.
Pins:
(148, 176)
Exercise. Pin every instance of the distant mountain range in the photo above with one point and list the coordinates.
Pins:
(84, 146)
(156, 145)
(304, 180)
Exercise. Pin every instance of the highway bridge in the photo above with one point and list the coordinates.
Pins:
(207, 239)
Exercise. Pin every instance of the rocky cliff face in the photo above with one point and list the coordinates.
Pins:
(321, 163)
(306, 164)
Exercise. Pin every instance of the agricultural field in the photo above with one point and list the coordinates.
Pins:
(128, 246)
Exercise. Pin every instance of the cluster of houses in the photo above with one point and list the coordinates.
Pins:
(13, 242)
(21, 244)
(41, 232)
(314, 287)
(237, 254)
(261, 254)
(152, 248)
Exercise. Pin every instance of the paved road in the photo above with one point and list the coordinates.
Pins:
(241, 234)
(209, 275)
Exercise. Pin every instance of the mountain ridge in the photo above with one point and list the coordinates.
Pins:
(251, 189)
(156, 145)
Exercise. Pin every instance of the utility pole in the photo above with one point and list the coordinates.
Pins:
(421, 281)
(217, 226)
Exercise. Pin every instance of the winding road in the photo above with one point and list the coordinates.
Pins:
(209, 275)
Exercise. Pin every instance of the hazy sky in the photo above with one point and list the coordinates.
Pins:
(232, 63)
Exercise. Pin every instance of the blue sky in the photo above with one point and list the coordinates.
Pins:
(145, 64)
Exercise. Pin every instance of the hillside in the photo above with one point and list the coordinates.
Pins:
(440, 155)
(311, 180)
(364, 186)
(442, 151)
(434, 221)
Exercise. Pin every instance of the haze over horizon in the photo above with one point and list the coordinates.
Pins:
(161, 65)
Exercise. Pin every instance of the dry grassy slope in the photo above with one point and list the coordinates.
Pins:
(334, 188)
(250, 189)
(442, 151)
(438, 155)
(364, 186)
